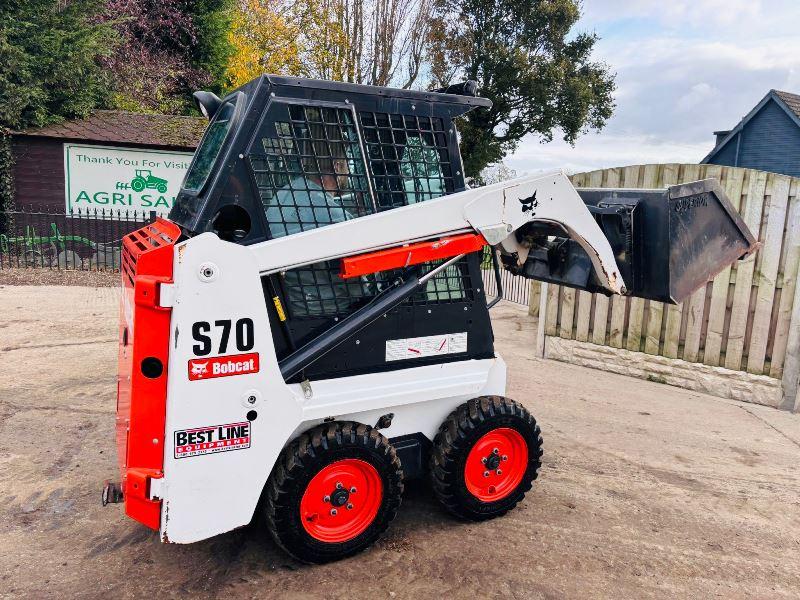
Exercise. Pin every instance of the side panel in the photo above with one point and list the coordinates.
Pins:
(419, 398)
(217, 456)
(212, 485)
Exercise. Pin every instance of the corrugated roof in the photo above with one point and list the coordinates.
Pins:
(791, 100)
(122, 127)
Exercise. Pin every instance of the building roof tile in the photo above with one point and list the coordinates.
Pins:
(791, 100)
(122, 127)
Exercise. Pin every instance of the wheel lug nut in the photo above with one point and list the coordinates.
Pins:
(353, 490)
(486, 473)
(349, 507)
(326, 499)
(499, 471)
(334, 512)
(483, 460)
(339, 485)
(496, 451)
(505, 457)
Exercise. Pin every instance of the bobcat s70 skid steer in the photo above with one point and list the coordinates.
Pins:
(310, 327)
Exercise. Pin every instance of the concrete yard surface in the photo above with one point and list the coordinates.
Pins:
(646, 490)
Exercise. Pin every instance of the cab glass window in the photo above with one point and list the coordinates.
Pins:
(210, 147)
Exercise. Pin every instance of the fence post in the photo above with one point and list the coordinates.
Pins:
(791, 363)
(533, 297)
(540, 336)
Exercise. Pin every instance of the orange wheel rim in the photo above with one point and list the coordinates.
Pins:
(341, 501)
(496, 464)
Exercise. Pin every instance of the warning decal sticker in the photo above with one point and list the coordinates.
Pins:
(431, 345)
(212, 439)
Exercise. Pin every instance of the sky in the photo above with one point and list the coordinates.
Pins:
(685, 68)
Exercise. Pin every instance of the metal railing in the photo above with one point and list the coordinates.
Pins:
(88, 240)
(515, 288)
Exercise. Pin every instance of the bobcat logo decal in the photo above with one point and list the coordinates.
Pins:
(199, 369)
(528, 204)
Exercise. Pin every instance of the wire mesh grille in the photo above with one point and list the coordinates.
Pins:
(312, 172)
(408, 158)
(318, 291)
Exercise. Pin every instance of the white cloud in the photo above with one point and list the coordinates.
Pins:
(680, 13)
(600, 151)
(698, 93)
(684, 69)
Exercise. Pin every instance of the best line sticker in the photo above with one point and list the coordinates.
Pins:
(212, 439)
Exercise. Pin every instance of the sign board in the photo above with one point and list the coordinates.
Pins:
(122, 179)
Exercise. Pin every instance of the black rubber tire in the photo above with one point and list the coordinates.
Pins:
(304, 458)
(456, 437)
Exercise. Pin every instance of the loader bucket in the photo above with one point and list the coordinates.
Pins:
(667, 242)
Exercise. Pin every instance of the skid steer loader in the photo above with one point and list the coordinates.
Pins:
(309, 328)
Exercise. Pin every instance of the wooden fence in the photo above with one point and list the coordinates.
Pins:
(747, 319)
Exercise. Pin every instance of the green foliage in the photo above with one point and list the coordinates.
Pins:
(539, 76)
(168, 49)
(48, 67)
(213, 48)
(6, 162)
(48, 61)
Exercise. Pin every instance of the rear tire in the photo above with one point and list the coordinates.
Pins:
(303, 491)
(485, 457)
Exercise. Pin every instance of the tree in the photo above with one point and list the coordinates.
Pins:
(49, 53)
(49, 67)
(168, 49)
(376, 42)
(213, 20)
(539, 77)
(264, 38)
(497, 172)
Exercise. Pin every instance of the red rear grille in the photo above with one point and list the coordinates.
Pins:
(151, 236)
(147, 259)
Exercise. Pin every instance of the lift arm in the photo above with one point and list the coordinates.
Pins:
(494, 212)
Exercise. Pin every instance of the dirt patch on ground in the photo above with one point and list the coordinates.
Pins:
(646, 490)
(58, 277)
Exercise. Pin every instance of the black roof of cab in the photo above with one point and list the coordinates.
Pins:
(469, 102)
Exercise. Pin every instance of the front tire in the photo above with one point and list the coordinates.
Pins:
(333, 492)
(485, 457)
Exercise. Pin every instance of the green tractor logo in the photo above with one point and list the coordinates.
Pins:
(145, 179)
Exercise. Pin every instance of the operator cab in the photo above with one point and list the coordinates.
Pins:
(283, 155)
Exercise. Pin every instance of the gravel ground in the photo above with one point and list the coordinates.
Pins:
(646, 490)
(57, 277)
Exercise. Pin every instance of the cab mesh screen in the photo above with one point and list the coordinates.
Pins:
(408, 158)
(318, 291)
(313, 173)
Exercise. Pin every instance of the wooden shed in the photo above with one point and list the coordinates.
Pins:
(41, 155)
(767, 139)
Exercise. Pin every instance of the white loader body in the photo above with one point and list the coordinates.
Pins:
(219, 281)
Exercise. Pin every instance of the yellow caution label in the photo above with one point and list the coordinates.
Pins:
(279, 308)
